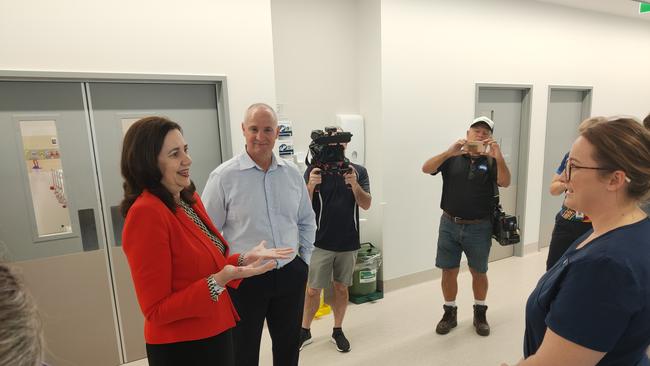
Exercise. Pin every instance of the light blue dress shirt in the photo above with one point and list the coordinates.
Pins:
(249, 205)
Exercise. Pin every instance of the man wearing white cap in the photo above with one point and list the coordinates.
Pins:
(469, 168)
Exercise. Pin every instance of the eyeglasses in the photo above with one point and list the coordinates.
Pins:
(571, 166)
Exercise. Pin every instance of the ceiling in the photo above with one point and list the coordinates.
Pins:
(626, 8)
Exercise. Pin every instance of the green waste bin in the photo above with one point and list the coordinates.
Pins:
(364, 279)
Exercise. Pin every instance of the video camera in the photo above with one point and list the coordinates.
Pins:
(327, 152)
(505, 229)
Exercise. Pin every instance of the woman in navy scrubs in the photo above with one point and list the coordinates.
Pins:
(593, 306)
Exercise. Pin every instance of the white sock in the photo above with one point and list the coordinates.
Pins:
(479, 302)
(450, 303)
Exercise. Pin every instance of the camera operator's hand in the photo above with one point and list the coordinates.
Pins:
(432, 164)
(315, 178)
(351, 177)
(457, 148)
(494, 150)
(362, 197)
(503, 173)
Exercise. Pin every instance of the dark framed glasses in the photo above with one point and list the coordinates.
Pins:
(570, 167)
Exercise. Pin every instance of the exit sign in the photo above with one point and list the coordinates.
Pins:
(644, 8)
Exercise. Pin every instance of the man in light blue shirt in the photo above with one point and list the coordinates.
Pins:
(256, 196)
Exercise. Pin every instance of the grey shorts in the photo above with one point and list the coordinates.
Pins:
(327, 265)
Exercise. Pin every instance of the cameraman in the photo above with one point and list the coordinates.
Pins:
(468, 175)
(336, 198)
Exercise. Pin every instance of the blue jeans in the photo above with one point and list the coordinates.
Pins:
(473, 239)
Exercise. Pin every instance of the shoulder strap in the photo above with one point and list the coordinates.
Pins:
(492, 168)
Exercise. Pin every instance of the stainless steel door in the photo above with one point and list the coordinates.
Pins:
(52, 223)
(566, 109)
(114, 107)
(504, 107)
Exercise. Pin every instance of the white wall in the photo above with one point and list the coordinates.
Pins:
(316, 52)
(370, 106)
(433, 54)
(328, 62)
(414, 65)
(211, 37)
(409, 66)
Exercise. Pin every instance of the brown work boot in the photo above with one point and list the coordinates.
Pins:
(448, 320)
(480, 321)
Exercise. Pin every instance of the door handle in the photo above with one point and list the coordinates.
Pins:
(118, 224)
(89, 238)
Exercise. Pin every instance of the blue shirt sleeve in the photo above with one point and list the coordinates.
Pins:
(595, 303)
(307, 172)
(214, 200)
(306, 225)
(562, 166)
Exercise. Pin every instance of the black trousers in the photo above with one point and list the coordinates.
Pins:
(277, 296)
(217, 351)
(565, 232)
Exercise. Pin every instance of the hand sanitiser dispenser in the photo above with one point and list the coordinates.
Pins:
(353, 123)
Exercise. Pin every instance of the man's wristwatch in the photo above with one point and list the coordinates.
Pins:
(214, 288)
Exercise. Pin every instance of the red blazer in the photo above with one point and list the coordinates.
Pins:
(170, 259)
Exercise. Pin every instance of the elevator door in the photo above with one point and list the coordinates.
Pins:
(504, 107)
(566, 109)
(51, 224)
(114, 107)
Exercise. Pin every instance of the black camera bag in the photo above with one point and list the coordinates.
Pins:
(505, 229)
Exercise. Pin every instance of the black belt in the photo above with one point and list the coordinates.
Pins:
(460, 220)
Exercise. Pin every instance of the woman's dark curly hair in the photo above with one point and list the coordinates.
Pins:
(139, 163)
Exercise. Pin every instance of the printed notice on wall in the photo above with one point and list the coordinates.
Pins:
(285, 148)
(285, 128)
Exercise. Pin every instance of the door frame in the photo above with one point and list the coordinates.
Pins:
(584, 114)
(524, 150)
(220, 82)
(586, 104)
(84, 78)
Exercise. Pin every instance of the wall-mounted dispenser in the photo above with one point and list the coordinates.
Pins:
(353, 123)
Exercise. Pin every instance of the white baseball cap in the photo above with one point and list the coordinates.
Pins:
(484, 120)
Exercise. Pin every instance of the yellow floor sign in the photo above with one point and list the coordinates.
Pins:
(324, 309)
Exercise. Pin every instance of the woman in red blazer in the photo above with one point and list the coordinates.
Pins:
(179, 261)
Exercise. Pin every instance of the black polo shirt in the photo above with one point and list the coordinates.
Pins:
(337, 212)
(468, 186)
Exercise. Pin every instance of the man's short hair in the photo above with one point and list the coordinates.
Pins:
(646, 122)
(255, 106)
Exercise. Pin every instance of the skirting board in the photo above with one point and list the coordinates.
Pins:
(531, 248)
(434, 273)
(417, 278)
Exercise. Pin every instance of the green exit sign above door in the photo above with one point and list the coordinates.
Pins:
(644, 8)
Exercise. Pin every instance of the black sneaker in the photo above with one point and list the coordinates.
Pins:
(342, 343)
(305, 338)
(448, 321)
(480, 320)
